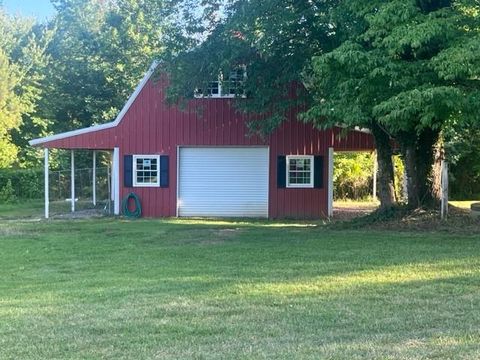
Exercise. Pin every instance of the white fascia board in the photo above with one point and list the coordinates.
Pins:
(71, 133)
(109, 125)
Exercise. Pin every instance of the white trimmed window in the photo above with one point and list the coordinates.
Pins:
(299, 171)
(225, 88)
(146, 170)
(234, 85)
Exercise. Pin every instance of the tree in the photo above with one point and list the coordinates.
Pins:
(22, 55)
(76, 70)
(11, 109)
(402, 73)
(99, 52)
(344, 83)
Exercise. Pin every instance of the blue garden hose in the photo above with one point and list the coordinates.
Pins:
(138, 207)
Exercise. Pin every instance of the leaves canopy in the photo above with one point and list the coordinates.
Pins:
(22, 57)
(101, 50)
(408, 65)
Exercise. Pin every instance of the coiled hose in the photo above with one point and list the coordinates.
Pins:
(138, 206)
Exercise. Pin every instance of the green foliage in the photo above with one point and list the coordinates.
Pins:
(11, 104)
(462, 143)
(352, 176)
(398, 68)
(399, 178)
(7, 193)
(74, 71)
(100, 50)
(22, 58)
(24, 183)
(401, 68)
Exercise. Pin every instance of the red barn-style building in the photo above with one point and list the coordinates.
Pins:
(186, 162)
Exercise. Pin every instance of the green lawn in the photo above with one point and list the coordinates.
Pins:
(35, 208)
(172, 289)
(22, 208)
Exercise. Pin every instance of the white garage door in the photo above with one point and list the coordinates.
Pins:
(223, 181)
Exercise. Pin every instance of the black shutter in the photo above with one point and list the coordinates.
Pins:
(128, 170)
(163, 171)
(318, 172)
(282, 171)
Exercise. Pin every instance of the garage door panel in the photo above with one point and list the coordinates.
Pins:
(223, 182)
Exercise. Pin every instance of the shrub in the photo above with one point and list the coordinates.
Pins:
(352, 176)
(26, 183)
(7, 193)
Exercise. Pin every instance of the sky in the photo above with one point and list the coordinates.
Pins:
(41, 9)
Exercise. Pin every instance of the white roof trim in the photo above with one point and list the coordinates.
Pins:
(109, 125)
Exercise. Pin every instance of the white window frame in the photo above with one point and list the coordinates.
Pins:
(312, 171)
(157, 183)
(220, 94)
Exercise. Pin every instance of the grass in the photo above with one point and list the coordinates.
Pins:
(463, 204)
(34, 208)
(354, 204)
(193, 289)
(372, 204)
(22, 208)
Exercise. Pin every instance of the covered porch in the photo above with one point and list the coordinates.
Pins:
(86, 186)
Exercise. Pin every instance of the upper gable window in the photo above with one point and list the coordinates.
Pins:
(234, 85)
(225, 87)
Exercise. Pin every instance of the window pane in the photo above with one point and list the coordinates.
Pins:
(235, 82)
(213, 88)
(146, 171)
(299, 171)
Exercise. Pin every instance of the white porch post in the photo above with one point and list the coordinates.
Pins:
(112, 180)
(330, 183)
(94, 176)
(47, 200)
(72, 180)
(109, 186)
(116, 181)
(375, 172)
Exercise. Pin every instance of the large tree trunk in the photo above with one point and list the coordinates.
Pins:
(386, 180)
(418, 155)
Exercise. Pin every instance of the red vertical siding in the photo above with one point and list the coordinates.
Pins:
(152, 127)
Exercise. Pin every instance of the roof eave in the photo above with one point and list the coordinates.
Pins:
(118, 119)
